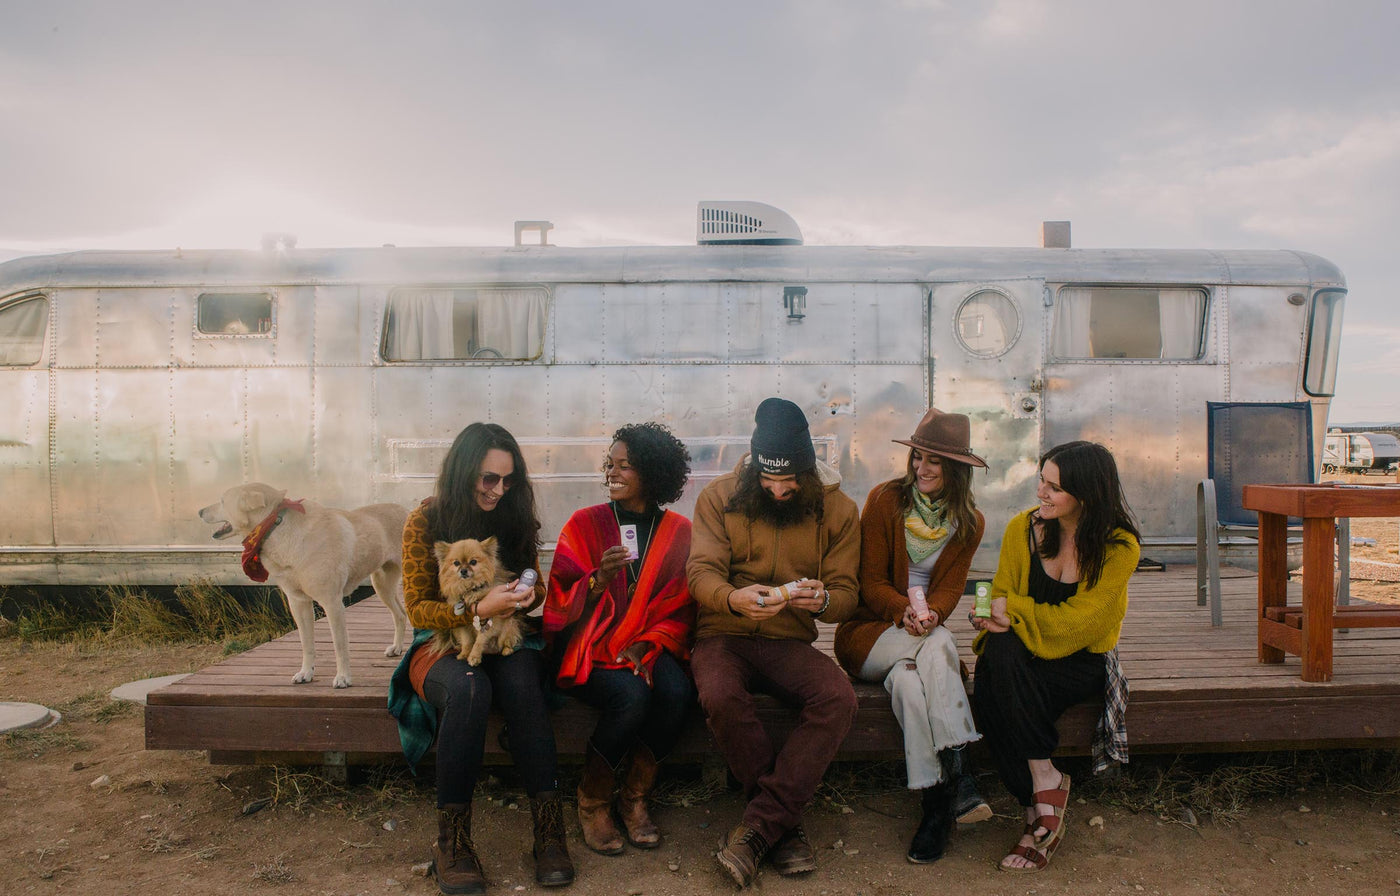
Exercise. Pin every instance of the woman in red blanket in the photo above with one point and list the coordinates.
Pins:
(622, 628)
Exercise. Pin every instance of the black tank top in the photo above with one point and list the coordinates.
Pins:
(1045, 590)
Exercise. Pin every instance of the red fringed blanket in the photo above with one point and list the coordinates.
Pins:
(660, 611)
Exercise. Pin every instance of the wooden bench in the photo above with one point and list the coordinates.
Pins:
(245, 710)
(1195, 687)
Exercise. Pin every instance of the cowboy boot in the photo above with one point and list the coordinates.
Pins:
(455, 865)
(553, 867)
(632, 799)
(595, 791)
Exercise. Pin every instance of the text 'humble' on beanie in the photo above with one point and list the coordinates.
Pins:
(782, 443)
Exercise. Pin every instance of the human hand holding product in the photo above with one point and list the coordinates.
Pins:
(629, 540)
(784, 593)
(919, 601)
(982, 609)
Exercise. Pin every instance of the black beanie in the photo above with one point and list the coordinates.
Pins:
(782, 443)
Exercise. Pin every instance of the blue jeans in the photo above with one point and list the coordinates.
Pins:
(629, 712)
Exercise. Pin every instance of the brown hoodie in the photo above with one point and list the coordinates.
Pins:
(729, 551)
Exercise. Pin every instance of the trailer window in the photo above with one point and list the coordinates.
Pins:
(234, 313)
(22, 328)
(1324, 342)
(1130, 322)
(988, 323)
(503, 323)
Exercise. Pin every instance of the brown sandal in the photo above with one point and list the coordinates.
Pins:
(1043, 847)
(1038, 856)
(1053, 824)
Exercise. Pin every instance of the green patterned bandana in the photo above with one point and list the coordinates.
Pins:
(926, 527)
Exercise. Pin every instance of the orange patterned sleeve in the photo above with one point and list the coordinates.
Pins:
(425, 606)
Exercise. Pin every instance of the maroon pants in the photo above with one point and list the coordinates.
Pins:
(778, 783)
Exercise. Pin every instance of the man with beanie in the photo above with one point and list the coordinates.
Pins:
(775, 545)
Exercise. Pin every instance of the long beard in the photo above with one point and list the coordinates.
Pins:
(782, 514)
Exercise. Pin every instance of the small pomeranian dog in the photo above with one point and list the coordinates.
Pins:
(467, 570)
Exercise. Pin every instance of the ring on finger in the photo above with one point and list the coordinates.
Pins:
(761, 601)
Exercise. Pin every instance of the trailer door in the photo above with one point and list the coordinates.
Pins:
(25, 357)
(984, 361)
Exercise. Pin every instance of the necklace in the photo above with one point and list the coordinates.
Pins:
(634, 567)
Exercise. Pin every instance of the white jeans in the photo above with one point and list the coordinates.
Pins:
(927, 696)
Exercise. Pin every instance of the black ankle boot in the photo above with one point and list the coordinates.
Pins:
(968, 805)
(931, 839)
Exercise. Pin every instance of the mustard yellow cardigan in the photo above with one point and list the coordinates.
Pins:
(1092, 618)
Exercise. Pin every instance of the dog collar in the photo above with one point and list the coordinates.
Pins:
(252, 545)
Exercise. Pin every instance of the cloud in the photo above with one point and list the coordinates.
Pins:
(1014, 21)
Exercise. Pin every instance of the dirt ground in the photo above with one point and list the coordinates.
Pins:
(84, 808)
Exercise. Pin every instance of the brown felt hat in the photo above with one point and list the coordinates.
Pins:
(946, 435)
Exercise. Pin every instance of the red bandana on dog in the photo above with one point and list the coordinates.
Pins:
(252, 545)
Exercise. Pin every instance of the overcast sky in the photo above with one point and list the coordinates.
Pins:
(1184, 124)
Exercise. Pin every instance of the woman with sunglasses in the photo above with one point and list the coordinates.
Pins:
(621, 624)
(918, 535)
(483, 491)
(1058, 602)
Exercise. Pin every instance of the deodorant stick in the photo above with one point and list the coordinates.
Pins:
(919, 601)
(982, 609)
(784, 592)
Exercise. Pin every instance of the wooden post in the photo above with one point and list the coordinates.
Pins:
(1318, 598)
(1273, 575)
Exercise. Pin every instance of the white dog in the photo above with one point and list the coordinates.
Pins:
(317, 553)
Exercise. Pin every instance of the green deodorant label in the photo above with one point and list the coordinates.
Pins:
(983, 606)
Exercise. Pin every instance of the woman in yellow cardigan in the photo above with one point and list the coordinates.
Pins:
(1058, 601)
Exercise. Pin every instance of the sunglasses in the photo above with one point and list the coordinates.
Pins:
(491, 480)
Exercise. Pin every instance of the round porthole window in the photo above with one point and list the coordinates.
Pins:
(987, 323)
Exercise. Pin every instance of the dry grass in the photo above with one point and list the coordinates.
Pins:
(1221, 788)
(846, 782)
(275, 872)
(91, 706)
(198, 612)
(37, 742)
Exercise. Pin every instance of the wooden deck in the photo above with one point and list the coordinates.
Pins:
(1193, 688)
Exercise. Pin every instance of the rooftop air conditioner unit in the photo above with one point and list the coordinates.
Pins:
(744, 224)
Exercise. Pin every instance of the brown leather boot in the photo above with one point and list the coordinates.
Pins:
(595, 792)
(793, 853)
(455, 864)
(553, 867)
(743, 850)
(632, 800)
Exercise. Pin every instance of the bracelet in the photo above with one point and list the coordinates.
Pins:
(825, 603)
(593, 585)
(729, 602)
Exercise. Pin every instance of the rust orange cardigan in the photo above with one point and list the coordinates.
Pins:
(884, 576)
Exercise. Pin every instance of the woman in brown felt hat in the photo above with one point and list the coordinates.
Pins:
(918, 535)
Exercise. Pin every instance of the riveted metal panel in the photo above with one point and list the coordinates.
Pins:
(1000, 394)
(24, 455)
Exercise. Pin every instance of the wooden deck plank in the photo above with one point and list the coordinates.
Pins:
(1193, 687)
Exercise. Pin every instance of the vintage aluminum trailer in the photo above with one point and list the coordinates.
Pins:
(136, 386)
(1360, 452)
